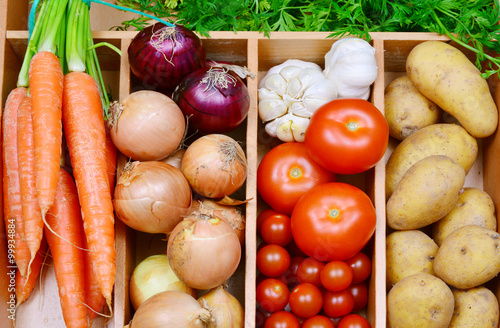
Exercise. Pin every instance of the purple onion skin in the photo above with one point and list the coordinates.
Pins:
(218, 110)
(150, 65)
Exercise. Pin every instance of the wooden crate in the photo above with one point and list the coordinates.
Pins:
(258, 53)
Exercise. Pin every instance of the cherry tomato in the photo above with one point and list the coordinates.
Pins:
(318, 321)
(347, 136)
(336, 275)
(282, 319)
(309, 270)
(333, 221)
(272, 295)
(286, 172)
(360, 294)
(291, 273)
(305, 300)
(264, 215)
(339, 303)
(273, 260)
(354, 321)
(277, 229)
(361, 266)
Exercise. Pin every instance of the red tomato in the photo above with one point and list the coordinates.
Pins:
(272, 295)
(282, 319)
(318, 321)
(276, 229)
(347, 136)
(264, 215)
(305, 300)
(354, 321)
(337, 304)
(333, 221)
(273, 260)
(336, 275)
(360, 294)
(361, 266)
(309, 270)
(291, 272)
(286, 172)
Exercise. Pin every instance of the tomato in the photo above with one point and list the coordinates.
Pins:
(318, 321)
(276, 229)
(354, 321)
(305, 300)
(360, 294)
(347, 136)
(282, 319)
(336, 275)
(333, 221)
(273, 260)
(339, 303)
(264, 215)
(272, 295)
(286, 172)
(291, 273)
(309, 270)
(361, 266)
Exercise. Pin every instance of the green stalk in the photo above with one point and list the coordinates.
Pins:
(75, 47)
(49, 32)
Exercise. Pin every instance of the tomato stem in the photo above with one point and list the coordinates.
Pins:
(295, 172)
(352, 126)
(334, 213)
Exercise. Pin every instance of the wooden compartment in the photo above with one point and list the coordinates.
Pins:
(259, 54)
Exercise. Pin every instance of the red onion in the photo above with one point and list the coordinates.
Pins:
(214, 98)
(160, 56)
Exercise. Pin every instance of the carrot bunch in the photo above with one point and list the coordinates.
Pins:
(70, 212)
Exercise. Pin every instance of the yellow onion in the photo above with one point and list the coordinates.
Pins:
(152, 276)
(147, 126)
(231, 214)
(170, 309)
(215, 165)
(225, 309)
(203, 251)
(175, 159)
(152, 196)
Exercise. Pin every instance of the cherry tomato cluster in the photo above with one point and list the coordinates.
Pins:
(296, 290)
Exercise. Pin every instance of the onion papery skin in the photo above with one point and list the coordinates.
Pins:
(225, 309)
(152, 276)
(147, 126)
(161, 63)
(203, 251)
(217, 109)
(152, 197)
(170, 309)
(215, 166)
(230, 214)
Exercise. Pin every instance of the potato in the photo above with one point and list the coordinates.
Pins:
(428, 191)
(443, 74)
(421, 301)
(474, 206)
(438, 139)
(476, 307)
(468, 257)
(406, 109)
(408, 252)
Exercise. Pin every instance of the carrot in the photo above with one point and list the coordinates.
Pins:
(86, 139)
(65, 244)
(25, 285)
(33, 222)
(94, 298)
(11, 185)
(46, 87)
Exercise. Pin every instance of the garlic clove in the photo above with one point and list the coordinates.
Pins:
(276, 83)
(290, 62)
(265, 93)
(300, 109)
(294, 88)
(284, 131)
(290, 73)
(299, 127)
(270, 109)
(288, 128)
(311, 104)
(323, 88)
(309, 76)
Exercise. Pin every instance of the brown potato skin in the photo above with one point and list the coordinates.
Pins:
(408, 252)
(437, 139)
(443, 74)
(420, 301)
(406, 109)
(468, 257)
(476, 307)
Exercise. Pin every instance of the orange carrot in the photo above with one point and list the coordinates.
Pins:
(65, 243)
(25, 285)
(94, 298)
(32, 216)
(46, 87)
(11, 185)
(86, 139)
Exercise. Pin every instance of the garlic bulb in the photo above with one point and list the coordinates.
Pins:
(350, 65)
(288, 96)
